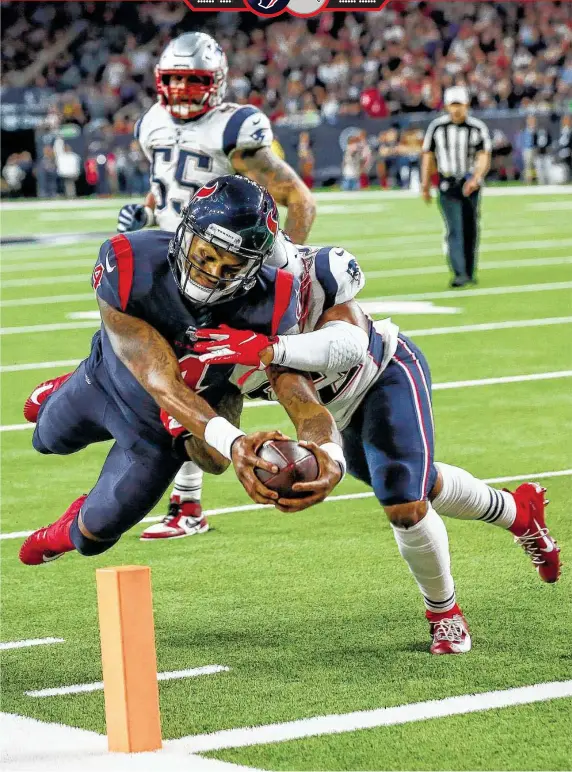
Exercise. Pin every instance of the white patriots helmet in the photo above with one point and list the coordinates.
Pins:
(199, 58)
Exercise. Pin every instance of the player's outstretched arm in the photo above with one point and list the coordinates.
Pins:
(339, 341)
(264, 166)
(316, 428)
(152, 361)
(206, 457)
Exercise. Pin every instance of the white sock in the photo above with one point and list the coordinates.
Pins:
(466, 498)
(188, 482)
(425, 548)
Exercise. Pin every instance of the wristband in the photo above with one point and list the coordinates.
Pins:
(150, 217)
(336, 453)
(220, 434)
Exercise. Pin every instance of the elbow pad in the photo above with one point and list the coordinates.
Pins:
(335, 347)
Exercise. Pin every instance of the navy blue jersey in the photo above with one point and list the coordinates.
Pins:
(133, 275)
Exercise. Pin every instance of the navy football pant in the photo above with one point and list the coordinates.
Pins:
(389, 443)
(136, 472)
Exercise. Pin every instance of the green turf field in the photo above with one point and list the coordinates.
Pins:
(317, 614)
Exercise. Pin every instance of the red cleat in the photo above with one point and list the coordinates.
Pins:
(50, 542)
(184, 519)
(534, 537)
(450, 632)
(39, 396)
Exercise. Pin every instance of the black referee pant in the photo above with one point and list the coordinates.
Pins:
(461, 215)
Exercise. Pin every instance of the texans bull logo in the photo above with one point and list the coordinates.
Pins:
(206, 191)
(272, 221)
(295, 7)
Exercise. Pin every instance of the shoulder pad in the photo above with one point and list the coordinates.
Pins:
(339, 274)
(246, 129)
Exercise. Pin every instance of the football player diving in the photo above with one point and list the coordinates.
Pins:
(151, 287)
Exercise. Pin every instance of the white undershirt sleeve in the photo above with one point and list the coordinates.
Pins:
(335, 347)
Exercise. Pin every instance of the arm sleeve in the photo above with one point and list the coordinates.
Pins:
(247, 129)
(336, 347)
(429, 139)
(485, 142)
(339, 275)
(117, 277)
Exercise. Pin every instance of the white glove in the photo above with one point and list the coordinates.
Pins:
(133, 217)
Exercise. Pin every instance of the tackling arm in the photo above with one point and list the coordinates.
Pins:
(264, 166)
(339, 341)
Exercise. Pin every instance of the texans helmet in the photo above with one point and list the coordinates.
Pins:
(198, 58)
(233, 214)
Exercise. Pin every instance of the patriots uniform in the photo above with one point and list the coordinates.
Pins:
(184, 155)
(102, 400)
(383, 404)
(329, 276)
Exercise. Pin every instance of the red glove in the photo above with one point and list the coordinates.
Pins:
(226, 345)
(171, 424)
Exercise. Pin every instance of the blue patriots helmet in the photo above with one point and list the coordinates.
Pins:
(235, 215)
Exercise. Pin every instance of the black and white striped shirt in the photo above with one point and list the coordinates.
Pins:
(456, 145)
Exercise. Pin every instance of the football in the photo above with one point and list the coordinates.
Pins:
(295, 464)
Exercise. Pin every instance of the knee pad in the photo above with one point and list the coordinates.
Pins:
(89, 547)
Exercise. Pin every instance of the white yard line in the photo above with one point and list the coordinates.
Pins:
(40, 365)
(341, 497)
(321, 195)
(425, 331)
(487, 326)
(44, 281)
(503, 379)
(29, 745)
(47, 328)
(549, 206)
(531, 262)
(25, 267)
(49, 300)
(97, 686)
(511, 290)
(515, 289)
(368, 719)
(17, 254)
(436, 387)
(378, 253)
(5, 645)
(428, 235)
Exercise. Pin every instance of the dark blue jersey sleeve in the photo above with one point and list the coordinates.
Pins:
(120, 277)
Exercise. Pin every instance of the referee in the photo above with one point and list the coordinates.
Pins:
(460, 146)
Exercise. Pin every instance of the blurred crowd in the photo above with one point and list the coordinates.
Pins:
(99, 59)
(60, 171)
(514, 55)
(392, 159)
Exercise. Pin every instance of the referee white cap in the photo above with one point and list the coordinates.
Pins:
(457, 95)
